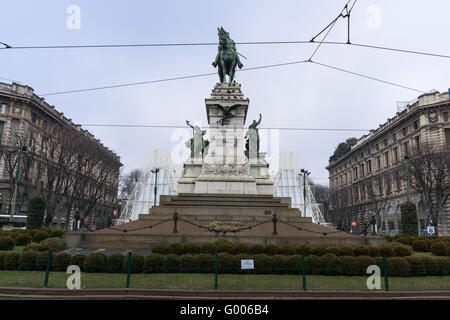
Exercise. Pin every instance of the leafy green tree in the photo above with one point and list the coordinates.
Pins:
(36, 210)
(342, 149)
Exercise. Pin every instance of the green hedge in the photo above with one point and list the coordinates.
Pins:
(328, 264)
(390, 249)
(6, 243)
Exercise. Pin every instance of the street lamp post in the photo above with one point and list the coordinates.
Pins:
(305, 173)
(16, 181)
(155, 171)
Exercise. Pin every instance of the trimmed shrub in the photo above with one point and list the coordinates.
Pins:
(204, 263)
(443, 266)
(27, 261)
(303, 250)
(175, 248)
(78, 260)
(224, 247)
(402, 250)
(114, 263)
(23, 239)
(191, 248)
(154, 263)
(41, 261)
(417, 266)
(56, 233)
(409, 219)
(262, 264)
(313, 264)
(399, 267)
(439, 249)
(278, 264)
(374, 252)
(221, 241)
(319, 251)
(330, 264)
(271, 249)
(208, 248)
(387, 250)
(226, 263)
(136, 265)
(2, 260)
(287, 250)
(36, 210)
(349, 265)
(11, 261)
(159, 248)
(241, 248)
(363, 262)
(39, 247)
(334, 250)
(39, 236)
(95, 262)
(187, 262)
(347, 251)
(7, 243)
(420, 246)
(61, 261)
(361, 251)
(172, 263)
(294, 264)
(54, 244)
(257, 249)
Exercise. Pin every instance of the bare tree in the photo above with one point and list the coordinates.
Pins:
(429, 167)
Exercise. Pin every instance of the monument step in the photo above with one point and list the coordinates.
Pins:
(216, 203)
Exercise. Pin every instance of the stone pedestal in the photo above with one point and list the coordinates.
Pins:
(225, 169)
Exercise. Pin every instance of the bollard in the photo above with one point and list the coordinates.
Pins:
(385, 268)
(128, 269)
(274, 220)
(47, 270)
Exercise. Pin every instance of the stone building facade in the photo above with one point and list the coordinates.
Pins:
(369, 180)
(27, 122)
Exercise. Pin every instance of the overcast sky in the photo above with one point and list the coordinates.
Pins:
(304, 95)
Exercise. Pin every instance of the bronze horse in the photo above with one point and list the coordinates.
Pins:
(227, 57)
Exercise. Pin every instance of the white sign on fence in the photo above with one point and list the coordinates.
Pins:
(430, 229)
(247, 264)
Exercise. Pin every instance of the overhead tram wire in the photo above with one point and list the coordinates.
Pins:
(181, 127)
(362, 45)
(214, 73)
(367, 77)
(169, 79)
(330, 27)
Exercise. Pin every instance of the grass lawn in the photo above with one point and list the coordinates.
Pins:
(424, 254)
(225, 281)
(17, 249)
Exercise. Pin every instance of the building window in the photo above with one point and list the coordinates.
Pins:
(447, 136)
(394, 137)
(395, 154)
(379, 163)
(405, 148)
(445, 116)
(377, 146)
(385, 142)
(386, 158)
(355, 173)
(417, 139)
(405, 131)
(2, 125)
(369, 166)
(3, 108)
(33, 117)
(416, 124)
(361, 168)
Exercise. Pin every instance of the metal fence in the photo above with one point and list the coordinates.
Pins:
(221, 273)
